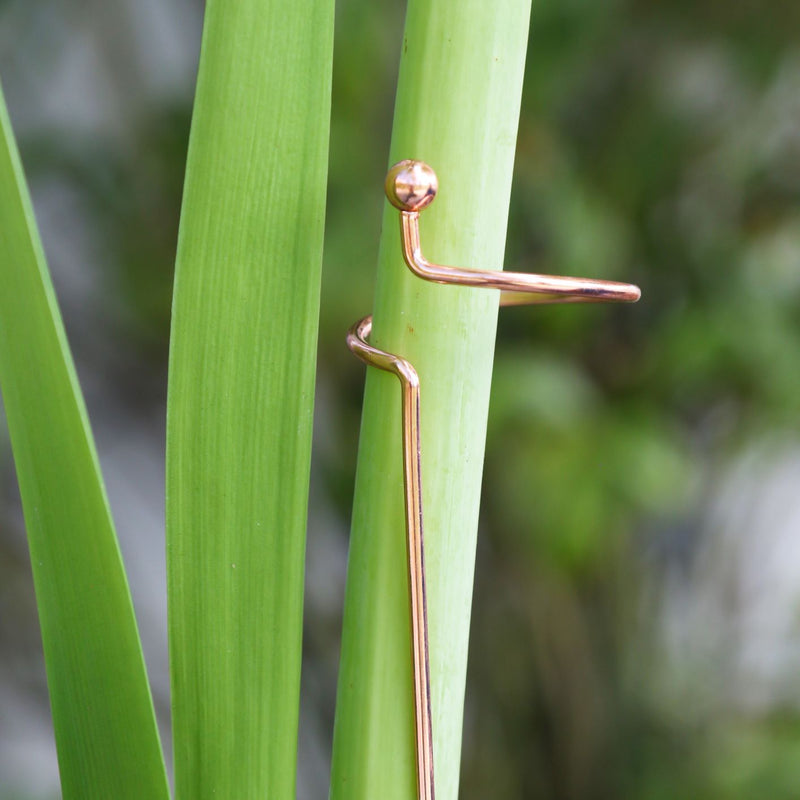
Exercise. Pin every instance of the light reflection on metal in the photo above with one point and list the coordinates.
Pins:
(410, 187)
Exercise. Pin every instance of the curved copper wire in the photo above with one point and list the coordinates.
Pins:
(410, 187)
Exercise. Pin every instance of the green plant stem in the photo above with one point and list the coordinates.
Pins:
(457, 108)
(241, 394)
(105, 728)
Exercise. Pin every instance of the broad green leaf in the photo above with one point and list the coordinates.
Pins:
(457, 108)
(102, 710)
(241, 392)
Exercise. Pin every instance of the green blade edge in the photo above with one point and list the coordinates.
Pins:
(105, 727)
(241, 386)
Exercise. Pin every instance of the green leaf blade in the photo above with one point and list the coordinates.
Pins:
(242, 364)
(105, 729)
(457, 108)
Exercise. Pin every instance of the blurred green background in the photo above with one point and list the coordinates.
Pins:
(636, 624)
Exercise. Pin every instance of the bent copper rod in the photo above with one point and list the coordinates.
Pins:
(516, 288)
(410, 187)
(357, 341)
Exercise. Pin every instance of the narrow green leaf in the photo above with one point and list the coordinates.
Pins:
(102, 711)
(241, 393)
(457, 108)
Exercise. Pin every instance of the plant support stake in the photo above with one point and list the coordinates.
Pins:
(410, 187)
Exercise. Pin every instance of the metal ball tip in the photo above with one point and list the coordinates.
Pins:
(411, 185)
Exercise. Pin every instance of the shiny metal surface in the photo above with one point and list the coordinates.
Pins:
(411, 185)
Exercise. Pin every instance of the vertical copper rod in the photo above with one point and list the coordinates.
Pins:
(412, 473)
(357, 341)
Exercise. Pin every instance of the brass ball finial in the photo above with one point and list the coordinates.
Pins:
(411, 185)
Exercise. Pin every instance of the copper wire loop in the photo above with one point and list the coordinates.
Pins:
(411, 186)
